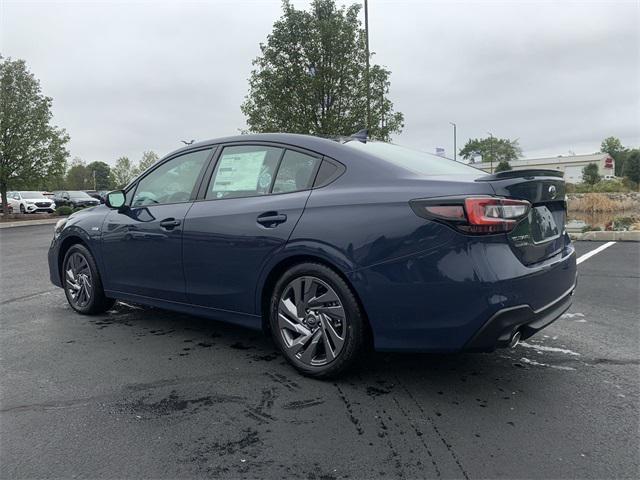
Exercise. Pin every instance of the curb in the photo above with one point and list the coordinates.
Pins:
(607, 236)
(29, 223)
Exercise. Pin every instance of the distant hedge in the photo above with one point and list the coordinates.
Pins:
(64, 210)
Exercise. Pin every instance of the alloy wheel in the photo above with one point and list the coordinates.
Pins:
(312, 321)
(78, 279)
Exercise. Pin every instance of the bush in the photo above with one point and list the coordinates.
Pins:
(603, 186)
(64, 210)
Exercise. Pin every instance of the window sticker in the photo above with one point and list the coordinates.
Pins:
(239, 171)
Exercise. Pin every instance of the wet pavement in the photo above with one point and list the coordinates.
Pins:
(141, 392)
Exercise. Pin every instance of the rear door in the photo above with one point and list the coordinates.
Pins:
(541, 234)
(248, 210)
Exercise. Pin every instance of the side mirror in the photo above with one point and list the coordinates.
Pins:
(115, 199)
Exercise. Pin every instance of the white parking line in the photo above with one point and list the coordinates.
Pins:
(593, 252)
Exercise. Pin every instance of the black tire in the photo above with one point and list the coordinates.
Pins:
(22, 209)
(85, 300)
(352, 330)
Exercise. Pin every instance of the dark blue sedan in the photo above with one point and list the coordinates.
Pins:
(329, 246)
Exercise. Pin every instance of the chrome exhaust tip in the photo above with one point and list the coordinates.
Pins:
(515, 340)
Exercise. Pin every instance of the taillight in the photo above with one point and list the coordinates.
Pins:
(476, 215)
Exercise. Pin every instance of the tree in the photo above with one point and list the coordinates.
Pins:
(632, 166)
(503, 166)
(100, 176)
(590, 174)
(148, 159)
(78, 176)
(613, 146)
(31, 148)
(492, 149)
(122, 172)
(311, 77)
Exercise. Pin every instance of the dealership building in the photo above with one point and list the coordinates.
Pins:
(571, 165)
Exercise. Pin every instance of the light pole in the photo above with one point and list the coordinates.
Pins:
(454, 142)
(366, 33)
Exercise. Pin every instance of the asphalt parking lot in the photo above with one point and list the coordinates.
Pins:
(149, 393)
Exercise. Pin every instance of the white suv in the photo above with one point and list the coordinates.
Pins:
(30, 202)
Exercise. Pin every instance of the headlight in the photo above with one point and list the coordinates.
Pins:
(59, 226)
(30, 202)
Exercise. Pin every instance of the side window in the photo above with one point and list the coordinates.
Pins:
(244, 171)
(171, 182)
(295, 172)
(327, 173)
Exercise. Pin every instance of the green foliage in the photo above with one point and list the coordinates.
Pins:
(590, 174)
(311, 77)
(100, 176)
(78, 176)
(122, 172)
(603, 186)
(632, 166)
(503, 166)
(31, 149)
(148, 159)
(64, 210)
(613, 146)
(492, 149)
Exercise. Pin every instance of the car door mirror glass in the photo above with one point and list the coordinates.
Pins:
(115, 199)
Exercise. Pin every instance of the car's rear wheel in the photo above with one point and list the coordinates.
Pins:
(316, 320)
(82, 283)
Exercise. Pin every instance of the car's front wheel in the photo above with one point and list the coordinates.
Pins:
(82, 283)
(316, 320)
(22, 209)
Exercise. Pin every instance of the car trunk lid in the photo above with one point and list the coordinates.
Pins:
(540, 235)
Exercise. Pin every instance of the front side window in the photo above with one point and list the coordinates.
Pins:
(295, 172)
(171, 182)
(244, 171)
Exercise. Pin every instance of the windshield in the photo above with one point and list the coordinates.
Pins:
(79, 195)
(418, 162)
(31, 195)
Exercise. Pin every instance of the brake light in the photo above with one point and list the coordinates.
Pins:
(478, 215)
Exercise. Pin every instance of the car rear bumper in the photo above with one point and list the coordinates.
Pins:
(472, 294)
(501, 328)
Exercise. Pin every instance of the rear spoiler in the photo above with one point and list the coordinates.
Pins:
(528, 174)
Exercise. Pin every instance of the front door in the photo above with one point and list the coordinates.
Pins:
(142, 244)
(252, 204)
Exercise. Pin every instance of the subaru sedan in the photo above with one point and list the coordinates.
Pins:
(329, 246)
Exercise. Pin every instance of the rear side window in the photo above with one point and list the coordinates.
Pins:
(244, 171)
(414, 160)
(295, 172)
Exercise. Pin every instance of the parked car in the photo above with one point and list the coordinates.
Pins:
(98, 195)
(30, 202)
(74, 198)
(329, 246)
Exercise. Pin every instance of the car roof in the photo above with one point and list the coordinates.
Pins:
(358, 161)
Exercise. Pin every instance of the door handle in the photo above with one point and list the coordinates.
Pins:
(169, 223)
(271, 219)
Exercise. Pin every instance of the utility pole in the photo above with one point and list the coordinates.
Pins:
(366, 33)
(455, 151)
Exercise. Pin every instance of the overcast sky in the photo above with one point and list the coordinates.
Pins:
(132, 76)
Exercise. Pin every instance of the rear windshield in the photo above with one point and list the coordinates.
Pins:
(414, 160)
(79, 195)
